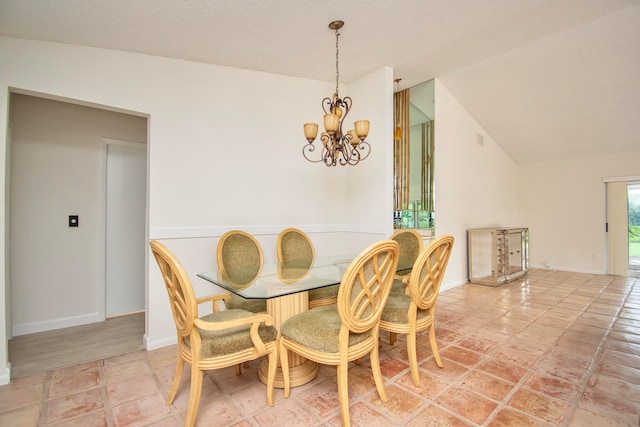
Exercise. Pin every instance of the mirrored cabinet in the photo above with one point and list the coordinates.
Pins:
(414, 153)
(497, 255)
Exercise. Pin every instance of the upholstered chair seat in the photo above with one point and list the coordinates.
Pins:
(396, 310)
(398, 287)
(233, 339)
(304, 330)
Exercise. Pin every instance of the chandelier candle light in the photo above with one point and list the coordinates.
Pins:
(338, 147)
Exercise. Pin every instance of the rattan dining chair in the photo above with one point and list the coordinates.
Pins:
(411, 245)
(343, 332)
(295, 248)
(217, 340)
(239, 251)
(409, 314)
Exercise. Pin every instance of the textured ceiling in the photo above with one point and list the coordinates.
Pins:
(545, 78)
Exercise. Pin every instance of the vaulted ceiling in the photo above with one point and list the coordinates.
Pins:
(547, 79)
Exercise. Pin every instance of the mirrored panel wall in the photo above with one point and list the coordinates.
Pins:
(414, 149)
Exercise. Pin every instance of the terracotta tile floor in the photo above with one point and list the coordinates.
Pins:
(557, 348)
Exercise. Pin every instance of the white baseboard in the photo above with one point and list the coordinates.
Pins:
(570, 270)
(5, 374)
(446, 287)
(164, 342)
(49, 325)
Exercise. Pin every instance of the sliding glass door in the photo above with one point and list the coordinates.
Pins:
(623, 226)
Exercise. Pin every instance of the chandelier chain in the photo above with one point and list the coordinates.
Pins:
(337, 69)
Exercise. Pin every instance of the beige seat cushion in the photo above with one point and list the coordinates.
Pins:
(324, 293)
(396, 310)
(318, 329)
(252, 305)
(398, 288)
(232, 340)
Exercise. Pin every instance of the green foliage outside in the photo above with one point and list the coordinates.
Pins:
(634, 223)
(634, 240)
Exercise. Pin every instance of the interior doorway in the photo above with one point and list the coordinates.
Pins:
(56, 172)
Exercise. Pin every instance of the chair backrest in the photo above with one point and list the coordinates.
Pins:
(295, 247)
(410, 243)
(240, 255)
(366, 285)
(428, 272)
(181, 296)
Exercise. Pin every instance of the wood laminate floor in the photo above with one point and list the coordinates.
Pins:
(49, 350)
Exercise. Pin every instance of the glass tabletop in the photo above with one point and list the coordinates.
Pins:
(275, 280)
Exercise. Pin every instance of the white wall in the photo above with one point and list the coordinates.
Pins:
(563, 204)
(225, 151)
(475, 184)
(369, 188)
(56, 156)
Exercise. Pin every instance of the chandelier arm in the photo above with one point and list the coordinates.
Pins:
(328, 150)
(310, 148)
(353, 156)
(345, 103)
(365, 148)
(344, 151)
(327, 104)
(326, 140)
(329, 158)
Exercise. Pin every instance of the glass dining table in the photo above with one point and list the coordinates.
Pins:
(285, 288)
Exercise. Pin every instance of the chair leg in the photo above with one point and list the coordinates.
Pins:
(177, 376)
(284, 364)
(194, 396)
(392, 338)
(413, 358)
(271, 376)
(343, 393)
(377, 373)
(434, 345)
(238, 369)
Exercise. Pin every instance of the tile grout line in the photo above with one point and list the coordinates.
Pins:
(591, 371)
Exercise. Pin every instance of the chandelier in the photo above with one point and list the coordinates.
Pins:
(337, 147)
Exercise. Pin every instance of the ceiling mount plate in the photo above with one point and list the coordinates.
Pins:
(336, 25)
